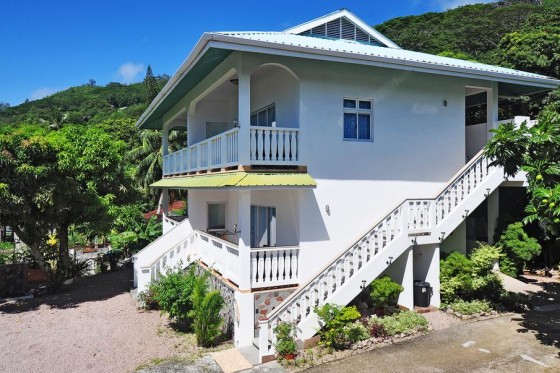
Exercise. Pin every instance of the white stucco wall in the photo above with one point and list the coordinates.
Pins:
(475, 138)
(418, 145)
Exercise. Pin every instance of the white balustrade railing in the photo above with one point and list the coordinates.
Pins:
(412, 216)
(267, 146)
(270, 266)
(274, 266)
(218, 254)
(273, 145)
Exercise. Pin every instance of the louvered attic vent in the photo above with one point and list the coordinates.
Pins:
(341, 28)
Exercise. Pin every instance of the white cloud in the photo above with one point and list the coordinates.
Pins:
(128, 72)
(42, 92)
(451, 4)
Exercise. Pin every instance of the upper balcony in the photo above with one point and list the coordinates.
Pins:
(268, 146)
(243, 119)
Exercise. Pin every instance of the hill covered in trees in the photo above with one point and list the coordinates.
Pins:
(524, 35)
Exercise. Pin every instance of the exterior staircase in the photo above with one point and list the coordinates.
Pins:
(414, 221)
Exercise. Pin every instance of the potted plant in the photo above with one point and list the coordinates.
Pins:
(384, 292)
(285, 345)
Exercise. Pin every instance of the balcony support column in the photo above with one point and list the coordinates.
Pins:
(165, 142)
(492, 108)
(244, 112)
(244, 235)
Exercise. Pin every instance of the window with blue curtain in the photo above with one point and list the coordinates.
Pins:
(358, 119)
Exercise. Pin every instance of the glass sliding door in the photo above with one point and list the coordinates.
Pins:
(263, 226)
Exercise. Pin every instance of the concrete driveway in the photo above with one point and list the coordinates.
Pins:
(502, 344)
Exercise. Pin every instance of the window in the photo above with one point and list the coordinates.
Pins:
(264, 117)
(357, 119)
(216, 216)
(263, 226)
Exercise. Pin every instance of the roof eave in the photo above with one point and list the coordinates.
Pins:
(189, 62)
(249, 45)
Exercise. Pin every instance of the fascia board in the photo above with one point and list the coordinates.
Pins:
(258, 46)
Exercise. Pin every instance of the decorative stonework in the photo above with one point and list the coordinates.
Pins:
(228, 312)
(265, 302)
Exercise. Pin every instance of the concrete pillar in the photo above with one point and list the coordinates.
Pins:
(402, 271)
(244, 325)
(165, 142)
(244, 113)
(492, 108)
(493, 214)
(244, 235)
(432, 275)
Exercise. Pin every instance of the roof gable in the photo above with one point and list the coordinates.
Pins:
(343, 25)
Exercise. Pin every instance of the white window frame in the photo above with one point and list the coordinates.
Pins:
(265, 109)
(358, 112)
(208, 229)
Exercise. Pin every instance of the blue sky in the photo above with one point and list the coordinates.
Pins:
(50, 45)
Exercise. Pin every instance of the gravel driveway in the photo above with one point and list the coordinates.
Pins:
(93, 327)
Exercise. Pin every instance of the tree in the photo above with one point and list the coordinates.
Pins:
(50, 180)
(150, 85)
(91, 83)
(536, 151)
(537, 51)
(4, 106)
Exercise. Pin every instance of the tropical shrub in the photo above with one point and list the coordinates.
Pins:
(455, 277)
(403, 321)
(205, 313)
(470, 307)
(518, 248)
(375, 328)
(285, 339)
(335, 320)
(173, 293)
(384, 292)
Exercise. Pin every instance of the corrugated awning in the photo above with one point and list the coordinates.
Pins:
(236, 180)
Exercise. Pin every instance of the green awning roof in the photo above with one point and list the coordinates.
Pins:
(236, 180)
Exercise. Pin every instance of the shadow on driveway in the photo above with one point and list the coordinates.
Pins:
(86, 289)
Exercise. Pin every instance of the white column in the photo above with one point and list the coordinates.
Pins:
(244, 226)
(244, 325)
(406, 298)
(492, 108)
(165, 142)
(432, 276)
(244, 113)
(493, 213)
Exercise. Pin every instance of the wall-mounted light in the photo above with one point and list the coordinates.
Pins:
(234, 81)
(445, 103)
(328, 210)
(390, 260)
(487, 192)
(235, 229)
(440, 238)
(466, 214)
(363, 285)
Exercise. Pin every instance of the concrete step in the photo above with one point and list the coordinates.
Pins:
(251, 353)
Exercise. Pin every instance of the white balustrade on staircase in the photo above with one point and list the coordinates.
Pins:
(274, 145)
(274, 267)
(379, 247)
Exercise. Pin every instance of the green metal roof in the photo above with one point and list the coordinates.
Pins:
(208, 62)
(237, 179)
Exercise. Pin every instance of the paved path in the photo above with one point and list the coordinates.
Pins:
(495, 345)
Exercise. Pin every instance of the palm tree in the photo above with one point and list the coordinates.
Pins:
(148, 156)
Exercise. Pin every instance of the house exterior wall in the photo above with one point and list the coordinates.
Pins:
(418, 144)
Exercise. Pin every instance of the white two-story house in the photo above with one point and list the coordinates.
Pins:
(319, 158)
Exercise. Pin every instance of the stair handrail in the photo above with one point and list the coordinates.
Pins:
(287, 302)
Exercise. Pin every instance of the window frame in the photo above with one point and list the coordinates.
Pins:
(208, 203)
(357, 111)
(264, 110)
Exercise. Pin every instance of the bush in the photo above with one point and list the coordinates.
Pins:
(403, 321)
(173, 294)
(147, 299)
(285, 339)
(334, 319)
(518, 249)
(205, 313)
(384, 292)
(356, 332)
(470, 307)
(468, 279)
(377, 329)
